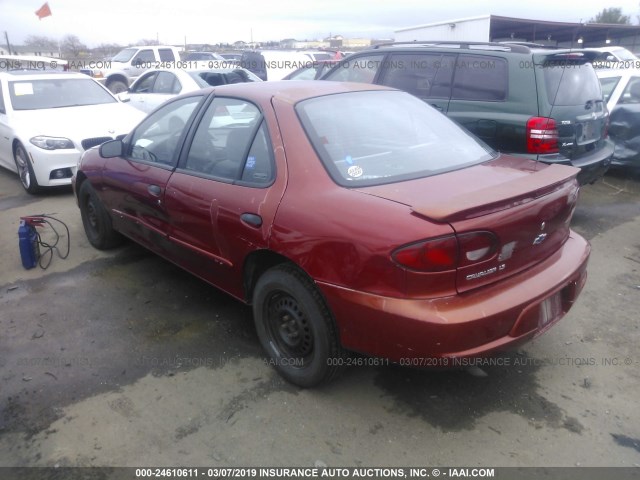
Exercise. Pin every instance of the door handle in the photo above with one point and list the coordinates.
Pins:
(251, 219)
(154, 190)
(437, 107)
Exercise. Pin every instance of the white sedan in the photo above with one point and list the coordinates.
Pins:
(620, 86)
(48, 119)
(155, 87)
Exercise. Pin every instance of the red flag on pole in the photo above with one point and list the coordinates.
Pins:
(43, 11)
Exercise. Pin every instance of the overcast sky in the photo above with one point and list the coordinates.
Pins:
(213, 21)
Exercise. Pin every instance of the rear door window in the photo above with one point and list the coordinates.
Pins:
(480, 77)
(422, 75)
(166, 55)
(362, 69)
(166, 84)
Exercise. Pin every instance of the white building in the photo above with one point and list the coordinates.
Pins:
(494, 28)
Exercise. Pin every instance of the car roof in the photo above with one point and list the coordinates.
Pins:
(290, 91)
(618, 72)
(41, 75)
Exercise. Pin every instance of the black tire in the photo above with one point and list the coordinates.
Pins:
(296, 328)
(25, 171)
(116, 86)
(96, 220)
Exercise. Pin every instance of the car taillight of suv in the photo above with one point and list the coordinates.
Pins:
(542, 135)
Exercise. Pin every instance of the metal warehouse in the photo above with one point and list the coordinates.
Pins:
(496, 29)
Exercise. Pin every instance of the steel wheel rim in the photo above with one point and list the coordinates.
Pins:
(288, 327)
(92, 215)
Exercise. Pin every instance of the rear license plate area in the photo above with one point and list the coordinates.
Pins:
(586, 132)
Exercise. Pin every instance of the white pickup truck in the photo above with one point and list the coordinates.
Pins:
(130, 63)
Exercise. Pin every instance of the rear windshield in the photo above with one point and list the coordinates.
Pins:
(571, 83)
(372, 138)
(57, 93)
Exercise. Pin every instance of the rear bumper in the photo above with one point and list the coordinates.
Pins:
(475, 323)
(592, 166)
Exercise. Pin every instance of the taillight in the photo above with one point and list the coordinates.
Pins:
(542, 135)
(435, 255)
(476, 247)
(447, 253)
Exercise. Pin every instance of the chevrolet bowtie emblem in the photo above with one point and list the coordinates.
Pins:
(539, 239)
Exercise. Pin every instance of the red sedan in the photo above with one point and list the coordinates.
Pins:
(351, 217)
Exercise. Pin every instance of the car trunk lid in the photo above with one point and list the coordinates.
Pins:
(526, 205)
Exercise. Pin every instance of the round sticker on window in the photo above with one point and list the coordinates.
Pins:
(355, 171)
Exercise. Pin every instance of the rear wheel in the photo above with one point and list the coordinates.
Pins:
(96, 220)
(25, 171)
(296, 327)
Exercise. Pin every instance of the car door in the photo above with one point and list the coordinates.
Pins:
(140, 91)
(479, 100)
(166, 86)
(134, 185)
(144, 60)
(424, 75)
(223, 196)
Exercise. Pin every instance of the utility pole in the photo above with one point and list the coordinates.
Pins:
(6, 36)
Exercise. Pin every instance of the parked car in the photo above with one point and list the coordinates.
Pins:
(154, 88)
(130, 63)
(32, 62)
(538, 103)
(324, 54)
(202, 56)
(311, 70)
(398, 235)
(621, 89)
(232, 57)
(48, 118)
(273, 64)
(612, 57)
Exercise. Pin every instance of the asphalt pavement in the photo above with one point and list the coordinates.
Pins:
(120, 358)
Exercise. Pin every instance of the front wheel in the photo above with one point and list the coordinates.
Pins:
(296, 328)
(116, 86)
(96, 220)
(25, 171)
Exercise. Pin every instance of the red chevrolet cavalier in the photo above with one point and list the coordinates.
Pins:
(351, 217)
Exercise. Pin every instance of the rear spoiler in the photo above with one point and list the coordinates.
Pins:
(499, 197)
(560, 59)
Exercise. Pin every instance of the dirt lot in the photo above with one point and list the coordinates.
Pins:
(121, 359)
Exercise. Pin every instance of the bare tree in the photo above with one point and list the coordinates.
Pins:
(147, 41)
(611, 15)
(41, 43)
(72, 46)
(105, 50)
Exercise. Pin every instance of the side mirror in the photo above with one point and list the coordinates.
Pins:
(123, 97)
(112, 149)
